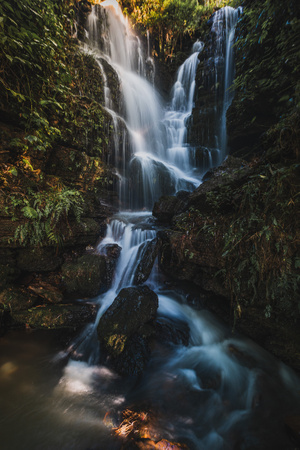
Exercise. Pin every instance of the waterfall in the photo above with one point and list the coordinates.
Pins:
(218, 392)
(149, 171)
(130, 231)
(175, 120)
(214, 93)
(224, 22)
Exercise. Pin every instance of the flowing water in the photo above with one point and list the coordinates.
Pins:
(217, 393)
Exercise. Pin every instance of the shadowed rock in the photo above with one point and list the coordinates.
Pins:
(125, 328)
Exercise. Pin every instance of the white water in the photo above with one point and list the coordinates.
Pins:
(153, 168)
(224, 22)
(178, 151)
(219, 392)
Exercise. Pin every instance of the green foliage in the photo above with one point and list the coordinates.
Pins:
(34, 74)
(267, 55)
(48, 214)
(260, 238)
(169, 20)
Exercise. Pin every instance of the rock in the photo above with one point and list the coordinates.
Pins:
(83, 233)
(112, 251)
(167, 207)
(125, 328)
(47, 292)
(14, 299)
(87, 276)
(56, 316)
(40, 259)
(8, 274)
(146, 260)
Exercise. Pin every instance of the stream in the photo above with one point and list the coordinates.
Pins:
(222, 391)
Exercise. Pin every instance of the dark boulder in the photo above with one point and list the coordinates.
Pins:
(167, 207)
(126, 327)
(146, 260)
(87, 276)
(112, 251)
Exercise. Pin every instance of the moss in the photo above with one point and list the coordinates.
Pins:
(55, 316)
(87, 276)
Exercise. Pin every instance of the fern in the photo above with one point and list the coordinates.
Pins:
(45, 212)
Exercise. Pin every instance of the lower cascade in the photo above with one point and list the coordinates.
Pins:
(184, 378)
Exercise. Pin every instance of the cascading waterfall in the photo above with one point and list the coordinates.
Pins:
(218, 392)
(150, 171)
(224, 22)
(175, 120)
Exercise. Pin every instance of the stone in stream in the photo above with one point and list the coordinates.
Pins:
(148, 254)
(126, 327)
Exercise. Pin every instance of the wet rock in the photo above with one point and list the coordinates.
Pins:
(141, 431)
(112, 251)
(125, 328)
(56, 316)
(87, 276)
(167, 207)
(155, 177)
(148, 255)
(83, 233)
(41, 259)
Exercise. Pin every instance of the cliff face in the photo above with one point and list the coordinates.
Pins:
(267, 67)
(56, 145)
(237, 236)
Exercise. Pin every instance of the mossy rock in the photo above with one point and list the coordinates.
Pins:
(8, 274)
(87, 276)
(56, 316)
(14, 299)
(166, 207)
(42, 259)
(146, 260)
(85, 232)
(125, 328)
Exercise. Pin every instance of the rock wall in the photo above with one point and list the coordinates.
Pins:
(56, 195)
(235, 238)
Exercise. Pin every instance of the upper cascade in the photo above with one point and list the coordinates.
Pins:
(176, 117)
(224, 23)
(152, 154)
(207, 133)
(148, 171)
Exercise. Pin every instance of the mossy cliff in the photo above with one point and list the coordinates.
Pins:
(56, 141)
(237, 235)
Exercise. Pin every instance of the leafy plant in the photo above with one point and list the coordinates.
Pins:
(47, 215)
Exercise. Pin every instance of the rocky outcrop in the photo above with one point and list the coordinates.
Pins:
(41, 306)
